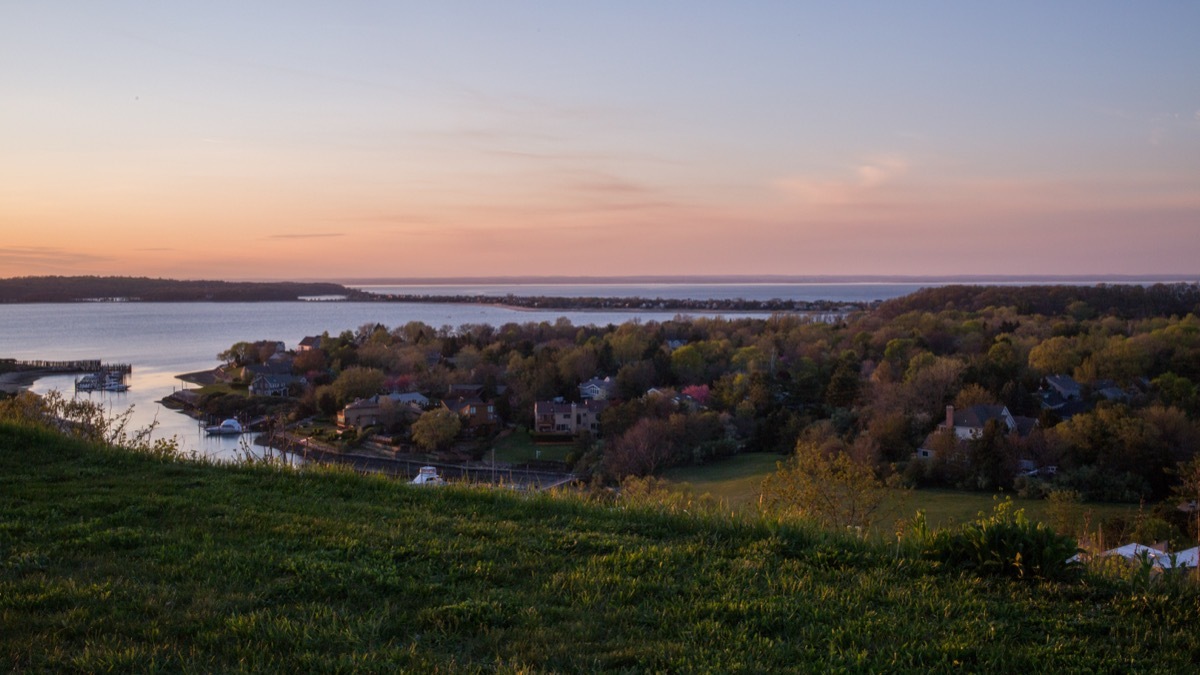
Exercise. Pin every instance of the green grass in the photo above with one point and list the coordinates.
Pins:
(944, 508)
(518, 448)
(115, 561)
(737, 481)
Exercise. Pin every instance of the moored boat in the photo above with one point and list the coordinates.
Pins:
(428, 475)
(102, 381)
(89, 382)
(229, 427)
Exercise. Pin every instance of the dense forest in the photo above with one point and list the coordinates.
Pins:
(1126, 301)
(143, 289)
(882, 387)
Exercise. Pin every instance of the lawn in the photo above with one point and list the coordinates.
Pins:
(518, 447)
(112, 561)
(737, 481)
(946, 507)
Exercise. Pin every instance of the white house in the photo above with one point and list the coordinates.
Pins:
(597, 389)
(968, 424)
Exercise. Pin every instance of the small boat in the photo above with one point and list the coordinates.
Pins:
(428, 475)
(229, 427)
(89, 382)
(114, 382)
(109, 381)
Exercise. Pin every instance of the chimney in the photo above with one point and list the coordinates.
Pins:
(950, 417)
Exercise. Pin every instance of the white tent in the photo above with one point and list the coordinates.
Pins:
(1161, 560)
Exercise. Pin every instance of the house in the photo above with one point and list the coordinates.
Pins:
(465, 390)
(309, 343)
(559, 417)
(1062, 395)
(385, 410)
(598, 390)
(968, 424)
(364, 412)
(475, 412)
(411, 398)
(1109, 390)
(271, 384)
(284, 358)
(1065, 386)
(265, 348)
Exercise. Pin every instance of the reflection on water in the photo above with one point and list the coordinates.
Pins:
(145, 391)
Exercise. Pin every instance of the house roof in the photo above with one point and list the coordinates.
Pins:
(464, 401)
(607, 384)
(311, 341)
(410, 397)
(275, 379)
(977, 416)
(1025, 425)
(1063, 384)
(561, 407)
(1052, 400)
(362, 403)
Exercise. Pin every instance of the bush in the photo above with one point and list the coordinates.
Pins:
(1006, 544)
(1100, 485)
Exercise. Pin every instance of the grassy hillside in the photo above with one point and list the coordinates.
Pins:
(111, 560)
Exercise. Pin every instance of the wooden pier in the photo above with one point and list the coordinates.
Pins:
(65, 367)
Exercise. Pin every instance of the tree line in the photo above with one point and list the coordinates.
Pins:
(144, 289)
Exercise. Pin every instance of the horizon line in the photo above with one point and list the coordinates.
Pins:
(680, 279)
(757, 278)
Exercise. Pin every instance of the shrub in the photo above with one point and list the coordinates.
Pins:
(1006, 544)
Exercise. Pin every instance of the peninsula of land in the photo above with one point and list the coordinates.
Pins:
(144, 289)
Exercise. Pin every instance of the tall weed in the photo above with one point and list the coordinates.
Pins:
(1006, 544)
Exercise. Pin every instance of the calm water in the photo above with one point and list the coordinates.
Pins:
(843, 292)
(803, 291)
(163, 340)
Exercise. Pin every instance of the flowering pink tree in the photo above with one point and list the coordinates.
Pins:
(698, 392)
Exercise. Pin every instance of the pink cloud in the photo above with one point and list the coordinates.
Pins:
(868, 177)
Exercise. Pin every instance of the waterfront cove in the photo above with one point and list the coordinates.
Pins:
(164, 340)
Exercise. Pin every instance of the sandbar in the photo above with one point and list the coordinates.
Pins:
(16, 381)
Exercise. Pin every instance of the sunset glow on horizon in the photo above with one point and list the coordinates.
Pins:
(314, 140)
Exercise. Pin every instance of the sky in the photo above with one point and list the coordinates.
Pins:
(333, 140)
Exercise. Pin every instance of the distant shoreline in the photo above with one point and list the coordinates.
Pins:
(532, 293)
(981, 279)
(1032, 279)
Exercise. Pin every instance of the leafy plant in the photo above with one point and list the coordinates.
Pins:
(1006, 544)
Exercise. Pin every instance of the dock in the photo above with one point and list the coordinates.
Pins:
(68, 367)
